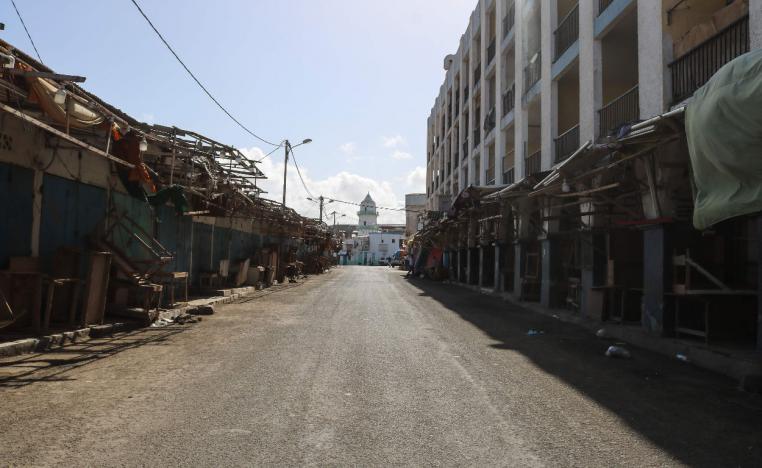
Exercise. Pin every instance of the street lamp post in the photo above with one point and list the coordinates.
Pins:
(287, 146)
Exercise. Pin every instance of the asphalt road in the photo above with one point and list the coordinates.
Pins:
(363, 367)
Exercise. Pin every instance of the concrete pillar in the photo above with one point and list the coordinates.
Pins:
(759, 283)
(550, 271)
(483, 98)
(590, 72)
(481, 267)
(469, 266)
(755, 23)
(548, 93)
(520, 114)
(654, 54)
(517, 273)
(497, 283)
(499, 78)
(459, 260)
(656, 249)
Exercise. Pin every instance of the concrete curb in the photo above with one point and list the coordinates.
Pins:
(738, 368)
(57, 340)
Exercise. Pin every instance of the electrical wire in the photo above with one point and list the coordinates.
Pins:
(270, 153)
(198, 82)
(293, 158)
(27, 31)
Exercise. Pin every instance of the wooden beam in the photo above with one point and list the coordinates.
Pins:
(48, 75)
(61, 134)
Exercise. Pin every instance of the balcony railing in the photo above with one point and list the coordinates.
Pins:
(489, 121)
(695, 68)
(508, 177)
(567, 31)
(532, 73)
(508, 20)
(532, 163)
(603, 4)
(509, 99)
(477, 74)
(567, 143)
(491, 51)
(625, 108)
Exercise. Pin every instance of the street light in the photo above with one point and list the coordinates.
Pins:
(288, 147)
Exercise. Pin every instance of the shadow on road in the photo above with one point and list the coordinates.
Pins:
(699, 417)
(53, 366)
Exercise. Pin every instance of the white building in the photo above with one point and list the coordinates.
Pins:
(370, 246)
(532, 79)
(368, 217)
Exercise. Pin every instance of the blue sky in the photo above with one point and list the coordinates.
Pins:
(358, 77)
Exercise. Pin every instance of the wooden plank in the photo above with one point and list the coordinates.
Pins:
(48, 75)
(63, 135)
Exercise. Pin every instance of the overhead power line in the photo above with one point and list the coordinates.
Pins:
(27, 31)
(198, 82)
(293, 158)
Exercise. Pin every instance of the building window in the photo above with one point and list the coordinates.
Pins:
(364, 223)
(392, 241)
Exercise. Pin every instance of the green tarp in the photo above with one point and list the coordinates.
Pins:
(723, 125)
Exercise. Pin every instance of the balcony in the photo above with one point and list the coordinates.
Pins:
(695, 68)
(489, 121)
(508, 20)
(567, 32)
(625, 108)
(603, 4)
(477, 74)
(532, 163)
(508, 177)
(509, 99)
(532, 73)
(491, 51)
(567, 143)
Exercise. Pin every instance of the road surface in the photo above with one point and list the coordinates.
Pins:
(361, 366)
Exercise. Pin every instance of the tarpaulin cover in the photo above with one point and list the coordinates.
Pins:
(723, 125)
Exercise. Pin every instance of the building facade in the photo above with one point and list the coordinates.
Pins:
(367, 217)
(559, 170)
(415, 205)
(533, 79)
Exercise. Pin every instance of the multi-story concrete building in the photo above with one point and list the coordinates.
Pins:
(558, 147)
(415, 205)
(532, 79)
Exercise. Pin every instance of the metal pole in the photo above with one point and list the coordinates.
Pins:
(321, 209)
(285, 168)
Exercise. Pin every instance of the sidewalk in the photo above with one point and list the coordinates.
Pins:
(19, 346)
(741, 365)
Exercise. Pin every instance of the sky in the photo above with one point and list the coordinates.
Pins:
(358, 77)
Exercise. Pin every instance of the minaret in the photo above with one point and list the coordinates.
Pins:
(368, 217)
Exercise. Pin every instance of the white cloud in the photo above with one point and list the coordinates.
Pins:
(348, 148)
(344, 186)
(416, 180)
(400, 155)
(394, 141)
